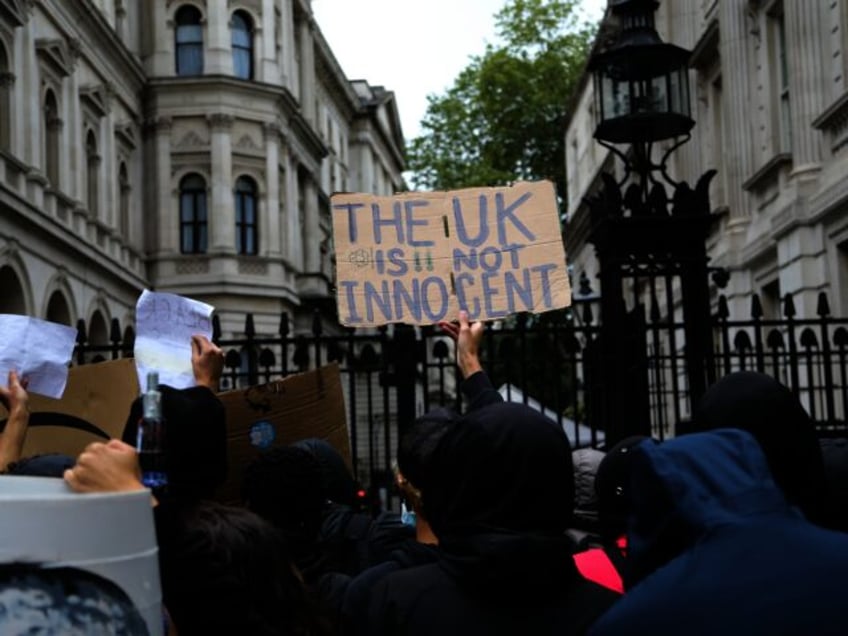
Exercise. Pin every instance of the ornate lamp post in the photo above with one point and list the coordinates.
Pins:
(641, 89)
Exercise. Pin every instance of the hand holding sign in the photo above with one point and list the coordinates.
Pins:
(207, 362)
(422, 257)
(468, 337)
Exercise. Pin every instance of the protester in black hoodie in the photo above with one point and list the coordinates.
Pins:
(497, 502)
(414, 459)
(761, 405)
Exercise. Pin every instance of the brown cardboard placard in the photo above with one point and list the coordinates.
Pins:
(298, 407)
(93, 408)
(420, 257)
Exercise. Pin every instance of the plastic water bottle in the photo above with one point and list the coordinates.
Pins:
(150, 442)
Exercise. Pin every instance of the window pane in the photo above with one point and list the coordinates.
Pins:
(191, 34)
(201, 242)
(186, 207)
(200, 203)
(249, 210)
(189, 59)
(250, 237)
(242, 63)
(187, 243)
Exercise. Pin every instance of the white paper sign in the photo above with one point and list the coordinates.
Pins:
(38, 350)
(165, 324)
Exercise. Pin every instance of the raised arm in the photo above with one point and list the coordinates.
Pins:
(16, 400)
(476, 385)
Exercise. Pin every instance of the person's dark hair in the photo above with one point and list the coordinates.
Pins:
(768, 410)
(195, 441)
(46, 465)
(64, 601)
(227, 571)
(504, 466)
(415, 450)
(339, 484)
(612, 485)
(284, 485)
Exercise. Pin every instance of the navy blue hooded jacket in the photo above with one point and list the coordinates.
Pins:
(715, 548)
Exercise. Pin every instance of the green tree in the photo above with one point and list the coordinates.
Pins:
(503, 119)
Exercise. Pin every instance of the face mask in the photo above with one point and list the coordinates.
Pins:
(407, 517)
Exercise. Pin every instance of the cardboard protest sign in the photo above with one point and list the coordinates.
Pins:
(420, 257)
(279, 413)
(93, 408)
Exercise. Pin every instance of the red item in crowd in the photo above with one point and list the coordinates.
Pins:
(595, 566)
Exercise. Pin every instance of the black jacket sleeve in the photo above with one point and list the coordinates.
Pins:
(479, 391)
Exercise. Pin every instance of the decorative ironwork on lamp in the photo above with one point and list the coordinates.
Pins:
(641, 88)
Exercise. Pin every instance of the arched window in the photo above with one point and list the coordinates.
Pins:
(12, 299)
(246, 235)
(189, 37)
(125, 191)
(98, 337)
(242, 33)
(92, 162)
(7, 80)
(52, 130)
(193, 215)
(58, 310)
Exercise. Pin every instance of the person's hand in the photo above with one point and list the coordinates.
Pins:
(468, 337)
(207, 362)
(110, 467)
(14, 396)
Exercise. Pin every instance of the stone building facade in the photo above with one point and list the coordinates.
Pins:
(190, 146)
(769, 93)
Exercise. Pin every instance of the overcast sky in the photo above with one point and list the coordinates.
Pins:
(412, 47)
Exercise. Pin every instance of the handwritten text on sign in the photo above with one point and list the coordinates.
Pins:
(421, 257)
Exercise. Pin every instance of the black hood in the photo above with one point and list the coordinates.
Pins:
(759, 404)
(501, 500)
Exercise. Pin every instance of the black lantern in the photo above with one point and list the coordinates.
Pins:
(641, 83)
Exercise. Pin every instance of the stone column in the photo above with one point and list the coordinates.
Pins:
(222, 210)
(307, 72)
(805, 35)
(295, 238)
(167, 218)
(267, 70)
(312, 223)
(270, 221)
(158, 39)
(36, 134)
(219, 56)
(737, 134)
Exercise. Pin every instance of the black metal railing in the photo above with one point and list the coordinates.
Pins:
(550, 361)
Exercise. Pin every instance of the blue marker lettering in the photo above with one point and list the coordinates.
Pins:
(508, 212)
(483, 232)
(546, 283)
(353, 316)
(395, 256)
(474, 310)
(495, 260)
(489, 294)
(382, 299)
(412, 301)
(512, 287)
(395, 220)
(442, 296)
(408, 207)
(351, 218)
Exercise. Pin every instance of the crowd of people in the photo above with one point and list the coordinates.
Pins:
(731, 529)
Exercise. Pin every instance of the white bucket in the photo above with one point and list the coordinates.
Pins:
(43, 521)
